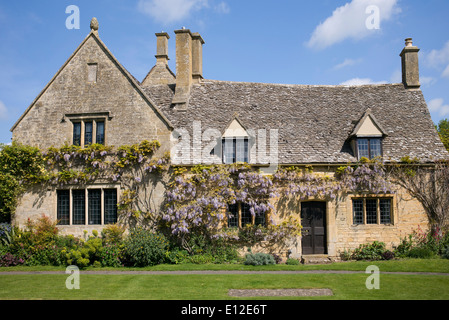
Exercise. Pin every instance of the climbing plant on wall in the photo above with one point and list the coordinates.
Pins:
(197, 199)
(129, 165)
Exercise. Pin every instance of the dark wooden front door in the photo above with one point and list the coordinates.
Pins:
(313, 219)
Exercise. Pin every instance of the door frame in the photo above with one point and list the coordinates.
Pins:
(325, 226)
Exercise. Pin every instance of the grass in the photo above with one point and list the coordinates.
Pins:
(215, 287)
(402, 265)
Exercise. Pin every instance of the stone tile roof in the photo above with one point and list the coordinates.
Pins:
(314, 122)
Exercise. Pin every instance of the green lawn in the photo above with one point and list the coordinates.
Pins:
(215, 287)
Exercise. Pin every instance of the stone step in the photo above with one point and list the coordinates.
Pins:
(316, 259)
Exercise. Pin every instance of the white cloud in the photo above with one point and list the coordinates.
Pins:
(396, 77)
(222, 7)
(427, 81)
(446, 72)
(3, 111)
(352, 21)
(438, 106)
(360, 82)
(439, 59)
(169, 11)
(348, 62)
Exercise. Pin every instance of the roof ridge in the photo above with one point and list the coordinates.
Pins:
(210, 81)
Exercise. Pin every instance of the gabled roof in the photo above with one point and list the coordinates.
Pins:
(368, 117)
(314, 123)
(135, 83)
(236, 126)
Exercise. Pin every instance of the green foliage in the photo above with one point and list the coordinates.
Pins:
(201, 248)
(86, 253)
(259, 259)
(22, 166)
(292, 262)
(9, 191)
(78, 257)
(176, 256)
(7, 234)
(111, 256)
(421, 244)
(19, 165)
(421, 253)
(443, 131)
(144, 248)
(26, 163)
(445, 254)
(9, 260)
(370, 251)
(112, 234)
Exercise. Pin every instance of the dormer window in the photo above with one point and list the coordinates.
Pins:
(369, 148)
(367, 137)
(235, 143)
(235, 150)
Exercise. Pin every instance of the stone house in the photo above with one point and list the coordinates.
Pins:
(94, 99)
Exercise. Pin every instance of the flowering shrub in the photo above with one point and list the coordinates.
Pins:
(423, 244)
(9, 260)
(111, 256)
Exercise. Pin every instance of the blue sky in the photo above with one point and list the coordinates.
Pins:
(328, 42)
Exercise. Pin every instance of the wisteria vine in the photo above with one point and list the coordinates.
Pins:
(197, 199)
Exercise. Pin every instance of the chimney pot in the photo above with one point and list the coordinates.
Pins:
(409, 42)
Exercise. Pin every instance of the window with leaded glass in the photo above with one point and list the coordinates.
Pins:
(369, 148)
(63, 207)
(372, 211)
(260, 220)
(77, 134)
(100, 206)
(233, 215)
(385, 211)
(110, 206)
(100, 132)
(247, 217)
(357, 209)
(239, 215)
(235, 150)
(94, 204)
(88, 130)
(79, 206)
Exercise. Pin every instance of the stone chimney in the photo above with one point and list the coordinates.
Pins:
(160, 73)
(162, 48)
(184, 64)
(410, 65)
(197, 57)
